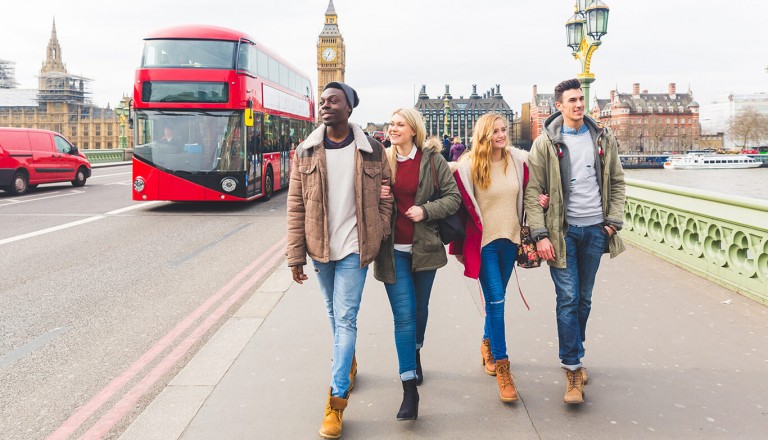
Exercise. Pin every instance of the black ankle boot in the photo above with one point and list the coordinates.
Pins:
(409, 409)
(419, 373)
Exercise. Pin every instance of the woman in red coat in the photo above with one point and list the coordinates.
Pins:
(491, 179)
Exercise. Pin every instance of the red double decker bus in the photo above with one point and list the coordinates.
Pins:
(216, 116)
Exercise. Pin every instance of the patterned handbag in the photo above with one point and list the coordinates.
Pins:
(527, 256)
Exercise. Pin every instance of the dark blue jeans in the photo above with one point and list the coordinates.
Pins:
(497, 260)
(573, 286)
(409, 299)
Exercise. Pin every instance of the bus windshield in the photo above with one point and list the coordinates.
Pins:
(191, 141)
(210, 54)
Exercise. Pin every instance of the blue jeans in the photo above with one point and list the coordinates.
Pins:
(497, 260)
(573, 286)
(409, 299)
(342, 285)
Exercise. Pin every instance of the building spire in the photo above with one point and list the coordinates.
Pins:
(331, 10)
(53, 61)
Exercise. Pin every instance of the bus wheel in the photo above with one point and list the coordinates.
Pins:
(79, 177)
(20, 183)
(269, 185)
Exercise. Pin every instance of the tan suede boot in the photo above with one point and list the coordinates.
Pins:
(352, 373)
(334, 411)
(574, 392)
(507, 390)
(489, 364)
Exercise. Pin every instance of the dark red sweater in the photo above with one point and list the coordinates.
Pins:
(404, 190)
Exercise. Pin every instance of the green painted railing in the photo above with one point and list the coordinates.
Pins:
(114, 155)
(723, 238)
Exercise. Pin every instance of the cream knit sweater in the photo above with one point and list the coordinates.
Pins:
(498, 204)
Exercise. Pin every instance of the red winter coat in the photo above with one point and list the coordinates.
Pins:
(470, 211)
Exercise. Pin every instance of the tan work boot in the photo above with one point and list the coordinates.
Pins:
(584, 375)
(334, 411)
(574, 392)
(352, 373)
(507, 390)
(489, 364)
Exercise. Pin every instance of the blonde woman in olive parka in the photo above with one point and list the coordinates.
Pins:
(410, 256)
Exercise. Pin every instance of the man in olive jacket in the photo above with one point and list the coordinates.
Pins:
(336, 215)
(576, 162)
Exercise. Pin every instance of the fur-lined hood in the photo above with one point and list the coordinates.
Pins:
(362, 142)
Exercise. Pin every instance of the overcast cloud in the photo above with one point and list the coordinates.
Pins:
(394, 46)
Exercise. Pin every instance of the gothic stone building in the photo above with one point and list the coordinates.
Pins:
(59, 104)
(462, 113)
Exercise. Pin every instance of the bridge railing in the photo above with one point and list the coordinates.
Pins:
(721, 237)
(112, 155)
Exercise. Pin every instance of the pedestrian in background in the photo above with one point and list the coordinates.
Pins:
(457, 149)
(336, 186)
(446, 150)
(576, 162)
(491, 179)
(409, 258)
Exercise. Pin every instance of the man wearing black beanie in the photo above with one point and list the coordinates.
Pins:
(339, 215)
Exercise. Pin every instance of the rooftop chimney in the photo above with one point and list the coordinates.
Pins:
(535, 92)
(672, 91)
(636, 90)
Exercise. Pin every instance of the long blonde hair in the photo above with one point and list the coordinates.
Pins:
(416, 122)
(482, 147)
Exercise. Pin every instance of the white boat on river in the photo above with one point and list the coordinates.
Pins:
(710, 162)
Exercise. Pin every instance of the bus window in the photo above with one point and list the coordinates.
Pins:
(271, 133)
(254, 162)
(262, 62)
(274, 70)
(243, 56)
(231, 147)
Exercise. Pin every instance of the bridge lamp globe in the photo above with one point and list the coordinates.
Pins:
(597, 19)
(574, 30)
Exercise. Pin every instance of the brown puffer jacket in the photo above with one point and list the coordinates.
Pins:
(308, 199)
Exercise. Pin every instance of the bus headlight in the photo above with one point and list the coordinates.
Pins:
(138, 184)
(228, 184)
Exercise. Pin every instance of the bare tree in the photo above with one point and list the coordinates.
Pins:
(748, 127)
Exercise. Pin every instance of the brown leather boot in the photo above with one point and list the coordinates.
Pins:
(507, 390)
(574, 392)
(334, 411)
(489, 364)
(352, 373)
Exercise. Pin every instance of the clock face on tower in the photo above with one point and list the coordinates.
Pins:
(329, 54)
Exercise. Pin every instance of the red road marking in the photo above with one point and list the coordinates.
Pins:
(88, 409)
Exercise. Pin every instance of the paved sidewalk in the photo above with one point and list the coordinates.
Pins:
(670, 355)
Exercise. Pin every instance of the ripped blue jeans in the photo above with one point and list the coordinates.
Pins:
(497, 260)
(342, 285)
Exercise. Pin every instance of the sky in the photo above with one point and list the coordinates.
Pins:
(394, 46)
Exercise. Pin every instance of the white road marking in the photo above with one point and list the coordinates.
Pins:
(132, 207)
(75, 223)
(108, 175)
(29, 347)
(49, 196)
(52, 229)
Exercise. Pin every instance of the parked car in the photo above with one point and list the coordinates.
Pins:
(29, 157)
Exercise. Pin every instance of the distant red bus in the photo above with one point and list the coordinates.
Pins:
(216, 116)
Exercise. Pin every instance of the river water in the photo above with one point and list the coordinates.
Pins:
(751, 183)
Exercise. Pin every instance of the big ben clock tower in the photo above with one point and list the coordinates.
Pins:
(330, 52)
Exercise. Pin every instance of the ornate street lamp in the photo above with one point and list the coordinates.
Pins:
(583, 32)
(123, 111)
